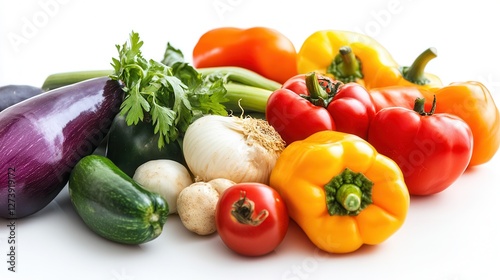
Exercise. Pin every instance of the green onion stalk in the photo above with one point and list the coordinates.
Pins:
(247, 91)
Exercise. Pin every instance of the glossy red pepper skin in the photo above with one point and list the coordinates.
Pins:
(294, 117)
(352, 109)
(431, 150)
(297, 84)
(351, 106)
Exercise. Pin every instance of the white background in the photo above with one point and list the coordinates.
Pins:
(449, 236)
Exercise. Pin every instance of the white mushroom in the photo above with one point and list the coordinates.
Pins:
(196, 205)
(165, 177)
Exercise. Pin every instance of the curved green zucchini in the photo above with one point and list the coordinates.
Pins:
(113, 205)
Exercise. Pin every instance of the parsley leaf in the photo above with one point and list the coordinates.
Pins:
(205, 93)
(171, 92)
(172, 55)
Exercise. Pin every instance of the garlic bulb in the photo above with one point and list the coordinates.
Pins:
(238, 149)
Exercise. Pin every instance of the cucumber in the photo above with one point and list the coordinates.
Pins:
(113, 205)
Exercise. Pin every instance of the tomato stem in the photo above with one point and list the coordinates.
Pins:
(348, 193)
(416, 72)
(345, 67)
(243, 211)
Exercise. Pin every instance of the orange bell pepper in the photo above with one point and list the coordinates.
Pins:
(341, 191)
(399, 96)
(262, 50)
(472, 102)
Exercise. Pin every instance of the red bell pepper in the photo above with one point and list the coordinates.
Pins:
(431, 149)
(470, 100)
(292, 115)
(348, 106)
(352, 109)
(260, 49)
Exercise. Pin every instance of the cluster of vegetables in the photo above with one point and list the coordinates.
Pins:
(336, 136)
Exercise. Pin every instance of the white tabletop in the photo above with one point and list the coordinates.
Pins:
(449, 236)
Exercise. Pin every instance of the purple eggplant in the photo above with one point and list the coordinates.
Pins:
(12, 94)
(42, 139)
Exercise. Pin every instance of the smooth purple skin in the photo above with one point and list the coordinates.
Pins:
(13, 94)
(42, 139)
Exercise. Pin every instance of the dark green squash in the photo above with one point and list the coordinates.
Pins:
(113, 205)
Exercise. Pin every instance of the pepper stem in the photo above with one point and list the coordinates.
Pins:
(314, 88)
(317, 94)
(348, 193)
(345, 67)
(416, 72)
(419, 106)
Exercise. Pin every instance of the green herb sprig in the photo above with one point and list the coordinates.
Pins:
(173, 95)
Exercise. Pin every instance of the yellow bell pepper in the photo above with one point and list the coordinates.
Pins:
(340, 191)
(354, 57)
(413, 75)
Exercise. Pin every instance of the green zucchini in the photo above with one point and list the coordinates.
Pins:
(113, 205)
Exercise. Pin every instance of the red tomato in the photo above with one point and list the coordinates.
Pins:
(251, 219)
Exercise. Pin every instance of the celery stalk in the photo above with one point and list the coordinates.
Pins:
(242, 76)
(67, 78)
(246, 89)
(246, 98)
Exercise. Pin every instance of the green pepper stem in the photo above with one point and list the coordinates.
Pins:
(419, 106)
(416, 72)
(349, 63)
(348, 193)
(345, 67)
(321, 90)
(318, 96)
